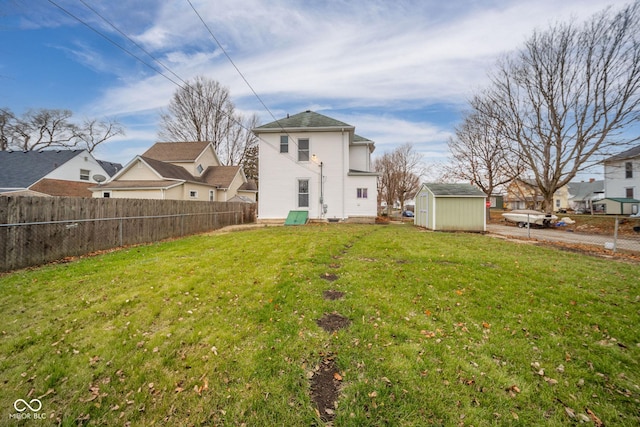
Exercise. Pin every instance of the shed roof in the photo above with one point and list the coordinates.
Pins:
(466, 190)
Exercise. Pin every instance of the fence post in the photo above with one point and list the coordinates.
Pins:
(615, 235)
(120, 231)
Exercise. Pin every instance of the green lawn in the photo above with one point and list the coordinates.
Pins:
(221, 329)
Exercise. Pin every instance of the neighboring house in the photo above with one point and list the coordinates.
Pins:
(622, 182)
(583, 195)
(451, 207)
(316, 166)
(178, 171)
(52, 172)
(622, 174)
(523, 194)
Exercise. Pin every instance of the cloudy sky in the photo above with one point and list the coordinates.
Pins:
(398, 70)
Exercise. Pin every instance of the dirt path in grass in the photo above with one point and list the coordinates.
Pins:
(326, 380)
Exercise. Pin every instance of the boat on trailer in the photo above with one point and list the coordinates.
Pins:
(524, 217)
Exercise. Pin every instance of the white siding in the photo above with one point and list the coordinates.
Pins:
(70, 171)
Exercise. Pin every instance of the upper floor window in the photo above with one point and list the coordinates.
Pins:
(84, 174)
(303, 150)
(199, 169)
(628, 170)
(284, 143)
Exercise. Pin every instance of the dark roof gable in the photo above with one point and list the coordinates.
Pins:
(306, 119)
(628, 154)
(20, 169)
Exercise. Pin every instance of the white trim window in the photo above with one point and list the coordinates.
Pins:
(85, 174)
(284, 143)
(362, 193)
(193, 194)
(106, 194)
(303, 149)
(303, 193)
(212, 195)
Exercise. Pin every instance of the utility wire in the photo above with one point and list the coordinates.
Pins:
(119, 46)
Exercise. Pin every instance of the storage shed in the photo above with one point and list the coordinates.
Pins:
(451, 207)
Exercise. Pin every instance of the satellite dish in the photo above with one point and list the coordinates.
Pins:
(99, 178)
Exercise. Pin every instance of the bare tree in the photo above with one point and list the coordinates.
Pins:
(202, 110)
(409, 170)
(50, 128)
(480, 154)
(93, 132)
(400, 173)
(568, 96)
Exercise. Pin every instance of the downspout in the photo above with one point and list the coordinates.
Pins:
(343, 174)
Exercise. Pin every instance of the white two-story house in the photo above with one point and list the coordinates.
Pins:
(622, 182)
(315, 165)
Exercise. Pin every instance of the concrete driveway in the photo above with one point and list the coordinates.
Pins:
(628, 243)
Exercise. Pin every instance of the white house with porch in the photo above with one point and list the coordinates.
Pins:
(316, 166)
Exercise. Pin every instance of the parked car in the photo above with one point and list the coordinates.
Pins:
(407, 214)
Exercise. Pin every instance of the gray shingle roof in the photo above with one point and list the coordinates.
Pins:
(585, 190)
(628, 154)
(306, 119)
(439, 189)
(20, 169)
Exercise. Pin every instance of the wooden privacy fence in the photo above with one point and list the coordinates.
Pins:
(37, 230)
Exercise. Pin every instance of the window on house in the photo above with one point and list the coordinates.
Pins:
(628, 170)
(84, 174)
(284, 143)
(193, 194)
(199, 169)
(303, 150)
(362, 193)
(212, 196)
(629, 192)
(303, 193)
(106, 194)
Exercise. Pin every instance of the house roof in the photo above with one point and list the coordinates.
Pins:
(110, 167)
(250, 185)
(585, 190)
(59, 187)
(169, 171)
(305, 120)
(466, 190)
(137, 185)
(220, 176)
(175, 151)
(628, 154)
(20, 169)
